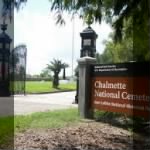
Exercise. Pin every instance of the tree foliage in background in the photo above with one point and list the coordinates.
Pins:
(118, 52)
(134, 45)
(45, 73)
(14, 58)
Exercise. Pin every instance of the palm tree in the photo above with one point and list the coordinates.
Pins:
(55, 66)
(64, 70)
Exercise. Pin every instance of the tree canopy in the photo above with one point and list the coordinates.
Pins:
(8, 7)
(114, 11)
(129, 18)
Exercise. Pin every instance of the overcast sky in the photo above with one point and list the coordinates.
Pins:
(35, 26)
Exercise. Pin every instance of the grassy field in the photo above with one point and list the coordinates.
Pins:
(39, 87)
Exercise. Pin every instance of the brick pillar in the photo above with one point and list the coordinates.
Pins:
(84, 86)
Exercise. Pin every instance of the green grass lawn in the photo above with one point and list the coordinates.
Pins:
(43, 120)
(50, 119)
(40, 120)
(6, 130)
(39, 87)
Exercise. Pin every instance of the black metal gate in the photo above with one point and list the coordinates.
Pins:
(18, 69)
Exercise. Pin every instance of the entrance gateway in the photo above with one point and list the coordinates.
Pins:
(120, 87)
(12, 65)
(18, 69)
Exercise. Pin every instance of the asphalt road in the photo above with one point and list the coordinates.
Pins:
(36, 103)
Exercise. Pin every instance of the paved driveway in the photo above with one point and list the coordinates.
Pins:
(35, 103)
(43, 102)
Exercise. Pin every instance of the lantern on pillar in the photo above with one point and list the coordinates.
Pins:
(5, 41)
(88, 48)
(88, 42)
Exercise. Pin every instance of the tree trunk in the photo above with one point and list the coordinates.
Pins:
(55, 81)
(64, 73)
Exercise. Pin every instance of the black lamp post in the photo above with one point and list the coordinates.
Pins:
(5, 41)
(88, 48)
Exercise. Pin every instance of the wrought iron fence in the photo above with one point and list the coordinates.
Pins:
(18, 69)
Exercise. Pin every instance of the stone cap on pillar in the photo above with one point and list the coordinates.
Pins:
(87, 60)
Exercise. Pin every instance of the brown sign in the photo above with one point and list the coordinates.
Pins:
(126, 94)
